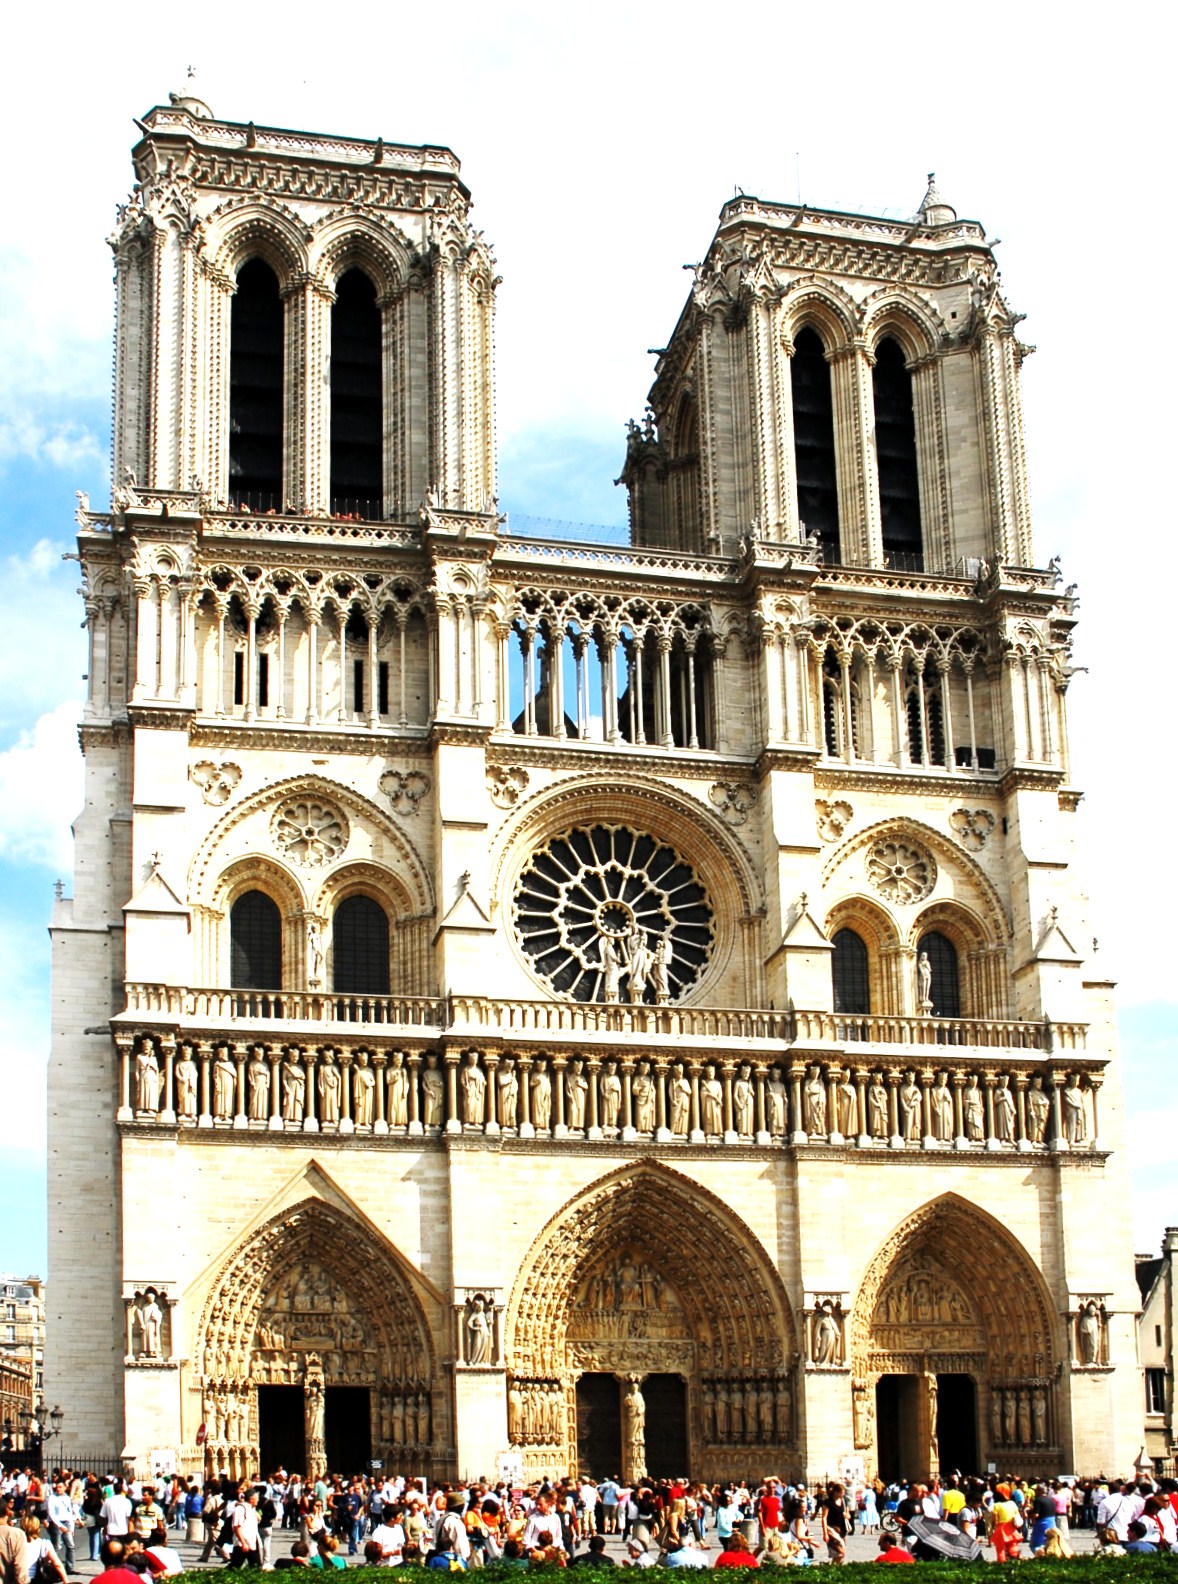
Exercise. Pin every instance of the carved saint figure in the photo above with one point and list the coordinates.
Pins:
(814, 1104)
(314, 1413)
(996, 1417)
(507, 1081)
(186, 1077)
(973, 1113)
(149, 1322)
(642, 1092)
(640, 962)
(1089, 1330)
(848, 1106)
(861, 1412)
(765, 1412)
(398, 1080)
(941, 1109)
(1073, 1110)
(1004, 1112)
(660, 970)
(827, 1336)
(611, 1095)
(635, 1431)
(742, 1101)
(784, 1410)
(924, 981)
(680, 1089)
(1038, 1109)
(711, 1099)
(294, 1088)
(478, 1332)
(723, 1413)
(776, 1103)
(576, 1094)
(474, 1091)
(1039, 1415)
(363, 1091)
(611, 970)
(314, 953)
(1009, 1416)
(910, 1108)
(541, 1098)
(877, 1108)
(224, 1085)
(328, 1084)
(259, 1086)
(432, 1089)
(147, 1078)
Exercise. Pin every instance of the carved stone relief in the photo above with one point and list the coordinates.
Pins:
(507, 785)
(972, 827)
(734, 800)
(833, 818)
(217, 782)
(404, 789)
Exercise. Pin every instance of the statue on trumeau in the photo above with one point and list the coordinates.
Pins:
(634, 1433)
(827, 1334)
(478, 1326)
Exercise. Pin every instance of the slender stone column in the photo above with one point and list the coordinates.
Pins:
(240, 1051)
(413, 1063)
(696, 1132)
(310, 1121)
(205, 1052)
(124, 1112)
(346, 1122)
(730, 1135)
(274, 1054)
(379, 1067)
(168, 1110)
(453, 1124)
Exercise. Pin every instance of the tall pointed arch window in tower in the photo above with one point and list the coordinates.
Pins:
(895, 450)
(945, 988)
(255, 934)
(360, 947)
(925, 714)
(813, 415)
(255, 389)
(357, 408)
(840, 709)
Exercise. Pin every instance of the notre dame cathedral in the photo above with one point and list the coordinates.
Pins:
(538, 1005)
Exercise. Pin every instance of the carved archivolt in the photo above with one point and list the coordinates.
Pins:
(734, 1309)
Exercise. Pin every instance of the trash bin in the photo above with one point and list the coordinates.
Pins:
(751, 1530)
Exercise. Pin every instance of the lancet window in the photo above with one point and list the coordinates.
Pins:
(852, 979)
(924, 713)
(814, 454)
(357, 439)
(895, 450)
(255, 933)
(840, 705)
(256, 389)
(945, 986)
(360, 947)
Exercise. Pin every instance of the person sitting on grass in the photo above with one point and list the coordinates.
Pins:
(327, 1553)
(889, 1551)
(1138, 1545)
(736, 1553)
(594, 1557)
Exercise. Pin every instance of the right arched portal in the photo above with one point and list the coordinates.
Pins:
(953, 1350)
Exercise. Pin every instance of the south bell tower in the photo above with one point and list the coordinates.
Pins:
(486, 923)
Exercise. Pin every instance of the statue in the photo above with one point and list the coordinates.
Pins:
(1024, 1419)
(784, 1410)
(474, 1091)
(1073, 1110)
(507, 1081)
(541, 1097)
(515, 1414)
(996, 1417)
(329, 1091)
(660, 972)
(634, 1420)
(224, 1085)
(314, 953)
(680, 1091)
(910, 1108)
(1004, 1112)
(576, 1093)
(941, 1108)
(1038, 1108)
(973, 1112)
(186, 1077)
(736, 1412)
(934, 1452)
(711, 1096)
(848, 1106)
(314, 1414)
(611, 1095)
(611, 970)
(149, 1322)
(1009, 1413)
(765, 1412)
(1039, 1415)
(1089, 1329)
(147, 1078)
(363, 1091)
(862, 1414)
(432, 1092)
(642, 1093)
(877, 1108)
(742, 1101)
(776, 1103)
(640, 961)
(398, 1091)
(259, 1086)
(294, 1088)
(924, 979)
(478, 1331)
(827, 1335)
(723, 1416)
(814, 1104)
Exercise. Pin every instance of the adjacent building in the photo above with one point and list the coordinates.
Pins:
(1158, 1342)
(628, 1008)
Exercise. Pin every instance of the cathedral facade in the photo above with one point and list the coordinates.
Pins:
(537, 1005)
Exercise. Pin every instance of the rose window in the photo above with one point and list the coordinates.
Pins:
(901, 873)
(606, 914)
(309, 832)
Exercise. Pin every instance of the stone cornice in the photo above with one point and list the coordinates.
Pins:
(794, 756)
(504, 752)
(909, 783)
(1030, 778)
(246, 737)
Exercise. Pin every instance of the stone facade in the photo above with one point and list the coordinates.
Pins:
(1158, 1344)
(568, 1004)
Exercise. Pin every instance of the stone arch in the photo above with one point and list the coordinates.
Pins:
(316, 1296)
(719, 860)
(824, 308)
(982, 963)
(238, 231)
(879, 932)
(951, 1291)
(720, 1324)
(910, 320)
(250, 872)
(353, 240)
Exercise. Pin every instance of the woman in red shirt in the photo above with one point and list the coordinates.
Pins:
(736, 1553)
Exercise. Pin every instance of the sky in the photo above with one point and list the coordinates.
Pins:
(599, 143)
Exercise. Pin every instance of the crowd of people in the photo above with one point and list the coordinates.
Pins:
(284, 1522)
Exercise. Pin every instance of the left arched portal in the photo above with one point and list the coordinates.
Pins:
(314, 1350)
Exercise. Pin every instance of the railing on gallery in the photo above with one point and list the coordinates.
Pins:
(483, 1015)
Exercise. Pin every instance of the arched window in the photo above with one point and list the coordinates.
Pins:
(255, 933)
(834, 710)
(945, 990)
(685, 465)
(357, 413)
(895, 450)
(360, 947)
(925, 714)
(255, 389)
(813, 410)
(852, 988)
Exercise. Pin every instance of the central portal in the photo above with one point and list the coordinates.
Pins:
(599, 1426)
(666, 1426)
(896, 1415)
(348, 1429)
(281, 1428)
(957, 1423)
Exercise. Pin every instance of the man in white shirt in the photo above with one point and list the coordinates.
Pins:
(1118, 1510)
(543, 1526)
(682, 1552)
(115, 1517)
(390, 1537)
(63, 1520)
(450, 1534)
(159, 1548)
(245, 1532)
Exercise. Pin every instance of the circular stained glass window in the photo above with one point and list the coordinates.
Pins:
(607, 914)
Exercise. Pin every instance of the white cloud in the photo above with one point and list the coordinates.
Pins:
(43, 654)
(41, 792)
